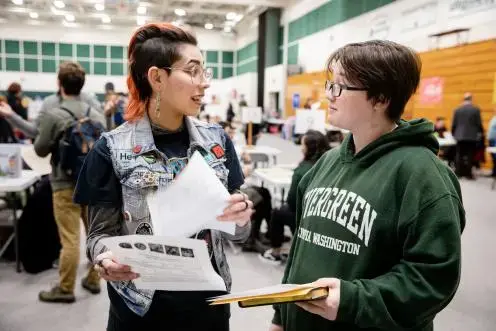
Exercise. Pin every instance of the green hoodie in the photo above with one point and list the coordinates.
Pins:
(387, 222)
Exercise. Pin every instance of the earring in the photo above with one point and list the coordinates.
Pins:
(157, 106)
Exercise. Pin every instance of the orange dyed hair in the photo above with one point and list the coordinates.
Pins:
(154, 44)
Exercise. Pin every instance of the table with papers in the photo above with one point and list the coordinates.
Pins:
(14, 185)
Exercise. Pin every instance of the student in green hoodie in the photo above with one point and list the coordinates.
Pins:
(379, 220)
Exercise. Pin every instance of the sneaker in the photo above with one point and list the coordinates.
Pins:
(270, 258)
(92, 288)
(56, 294)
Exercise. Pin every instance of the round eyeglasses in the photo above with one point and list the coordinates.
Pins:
(198, 74)
(336, 88)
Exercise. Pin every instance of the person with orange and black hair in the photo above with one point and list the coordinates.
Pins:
(166, 82)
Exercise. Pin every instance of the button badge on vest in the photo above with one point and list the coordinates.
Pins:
(137, 149)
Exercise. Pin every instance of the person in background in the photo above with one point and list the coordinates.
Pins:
(166, 81)
(230, 113)
(30, 129)
(467, 130)
(440, 127)
(52, 124)
(7, 135)
(313, 145)
(492, 139)
(379, 219)
(14, 99)
(242, 101)
(308, 104)
(262, 206)
(110, 105)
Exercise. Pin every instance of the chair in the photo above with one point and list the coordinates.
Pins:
(259, 158)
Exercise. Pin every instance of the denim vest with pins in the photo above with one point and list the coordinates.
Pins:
(139, 165)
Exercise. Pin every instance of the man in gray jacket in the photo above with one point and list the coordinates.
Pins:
(51, 125)
(467, 130)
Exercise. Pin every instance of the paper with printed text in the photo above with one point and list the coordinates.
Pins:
(165, 263)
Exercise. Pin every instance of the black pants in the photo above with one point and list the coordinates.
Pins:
(280, 218)
(492, 143)
(262, 211)
(170, 311)
(465, 151)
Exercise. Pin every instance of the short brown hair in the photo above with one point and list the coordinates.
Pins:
(389, 71)
(71, 77)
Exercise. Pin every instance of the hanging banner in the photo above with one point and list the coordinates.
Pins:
(431, 90)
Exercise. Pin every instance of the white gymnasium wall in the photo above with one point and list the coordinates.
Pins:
(299, 9)
(247, 34)
(409, 22)
(208, 40)
(274, 82)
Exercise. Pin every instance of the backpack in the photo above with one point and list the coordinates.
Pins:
(39, 242)
(76, 141)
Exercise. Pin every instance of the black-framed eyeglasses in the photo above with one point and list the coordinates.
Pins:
(336, 88)
(197, 73)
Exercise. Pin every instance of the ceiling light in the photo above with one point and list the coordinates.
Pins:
(141, 10)
(179, 12)
(17, 2)
(59, 4)
(229, 23)
(231, 16)
(140, 20)
(33, 15)
(99, 6)
(238, 17)
(209, 26)
(69, 18)
(105, 19)
(227, 29)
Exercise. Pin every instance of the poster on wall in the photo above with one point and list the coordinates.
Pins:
(296, 100)
(464, 7)
(431, 90)
(310, 120)
(419, 16)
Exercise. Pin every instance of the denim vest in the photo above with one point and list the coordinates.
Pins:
(139, 165)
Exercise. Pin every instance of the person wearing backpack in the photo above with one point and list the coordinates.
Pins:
(54, 131)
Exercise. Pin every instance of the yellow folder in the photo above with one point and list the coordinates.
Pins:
(283, 293)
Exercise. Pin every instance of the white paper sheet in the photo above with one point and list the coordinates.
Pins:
(191, 203)
(168, 264)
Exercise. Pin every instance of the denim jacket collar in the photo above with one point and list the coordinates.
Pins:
(143, 142)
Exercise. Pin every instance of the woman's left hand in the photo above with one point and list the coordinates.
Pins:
(328, 307)
(239, 209)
